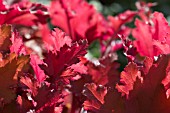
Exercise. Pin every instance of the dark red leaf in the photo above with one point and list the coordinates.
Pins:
(47, 99)
(23, 104)
(166, 81)
(148, 62)
(64, 58)
(95, 95)
(150, 95)
(105, 73)
(155, 95)
(10, 107)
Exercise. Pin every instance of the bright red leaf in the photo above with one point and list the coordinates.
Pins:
(128, 78)
(78, 19)
(152, 40)
(35, 62)
(56, 40)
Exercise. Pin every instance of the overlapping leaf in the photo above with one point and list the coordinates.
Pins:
(149, 95)
(17, 44)
(35, 62)
(128, 77)
(105, 73)
(46, 99)
(9, 73)
(56, 40)
(95, 96)
(66, 57)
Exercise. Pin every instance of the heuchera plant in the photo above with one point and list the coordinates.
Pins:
(45, 65)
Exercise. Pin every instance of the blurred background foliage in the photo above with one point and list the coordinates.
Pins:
(114, 7)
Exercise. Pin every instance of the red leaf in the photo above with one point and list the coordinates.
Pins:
(16, 13)
(14, 16)
(128, 78)
(78, 19)
(161, 47)
(64, 58)
(152, 40)
(148, 62)
(47, 99)
(2, 6)
(150, 95)
(19, 48)
(35, 62)
(56, 40)
(32, 85)
(95, 95)
(79, 67)
(119, 20)
(105, 73)
(25, 105)
(160, 27)
(68, 15)
(98, 29)
(143, 41)
(154, 99)
(166, 81)
(17, 44)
